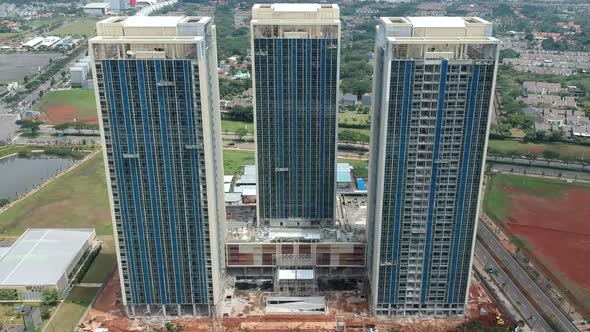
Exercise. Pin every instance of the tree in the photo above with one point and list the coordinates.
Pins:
(31, 126)
(557, 135)
(529, 37)
(4, 202)
(45, 312)
(508, 53)
(241, 132)
(239, 113)
(50, 297)
(547, 154)
(174, 327)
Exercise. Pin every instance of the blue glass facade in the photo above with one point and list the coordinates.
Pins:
(296, 90)
(429, 133)
(153, 130)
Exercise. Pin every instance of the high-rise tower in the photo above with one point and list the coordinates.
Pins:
(433, 86)
(157, 91)
(295, 48)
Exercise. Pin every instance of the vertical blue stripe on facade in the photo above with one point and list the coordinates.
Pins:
(308, 126)
(133, 166)
(463, 182)
(432, 195)
(151, 178)
(280, 127)
(322, 124)
(295, 169)
(168, 171)
(400, 177)
(121, 185)
(194, 176)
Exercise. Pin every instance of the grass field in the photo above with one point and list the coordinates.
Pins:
(77, 199)
(569, 152)
(44, 22)
(352, 118)
(85, 26)
(104, 262)
(234, 160)
(61, 106)
(7, 35)
(10, 149)
(73, 308)
(229, 126)
(497, 202)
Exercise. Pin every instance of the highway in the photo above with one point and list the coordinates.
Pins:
(527, 285)
(511, 291)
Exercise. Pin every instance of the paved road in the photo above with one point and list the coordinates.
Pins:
(511, 291)
(528, 286)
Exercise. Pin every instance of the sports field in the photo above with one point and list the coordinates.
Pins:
(85, 26)
(551, 219)
(75, 105)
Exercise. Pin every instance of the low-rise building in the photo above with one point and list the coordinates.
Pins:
(348, 100)
(97, 8)
(43, 259)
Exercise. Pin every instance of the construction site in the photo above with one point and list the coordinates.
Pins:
(297, 267)
(291, 279)
(245, 311)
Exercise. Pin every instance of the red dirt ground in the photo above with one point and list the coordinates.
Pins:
(64, 114)
(558, 229)
(107, 313)
(537, 150)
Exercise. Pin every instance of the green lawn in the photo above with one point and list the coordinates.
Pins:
(234, 160)
(104, 262)
(81, 100)
(44, 22)
(353, 118)
(77, 199)
(566, 151)
(10, 149)
(85, 26)
(229, 126)
(497, 199)
(7, 35)
(74, 306)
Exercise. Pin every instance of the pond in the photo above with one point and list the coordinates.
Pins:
(20, 175)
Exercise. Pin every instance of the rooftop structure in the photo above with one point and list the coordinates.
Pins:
(97, 5)
(532, 87)
(43, 258)
(97, 8)
(343, 173)
(49, 41)
(295, 11)
(34, 42)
